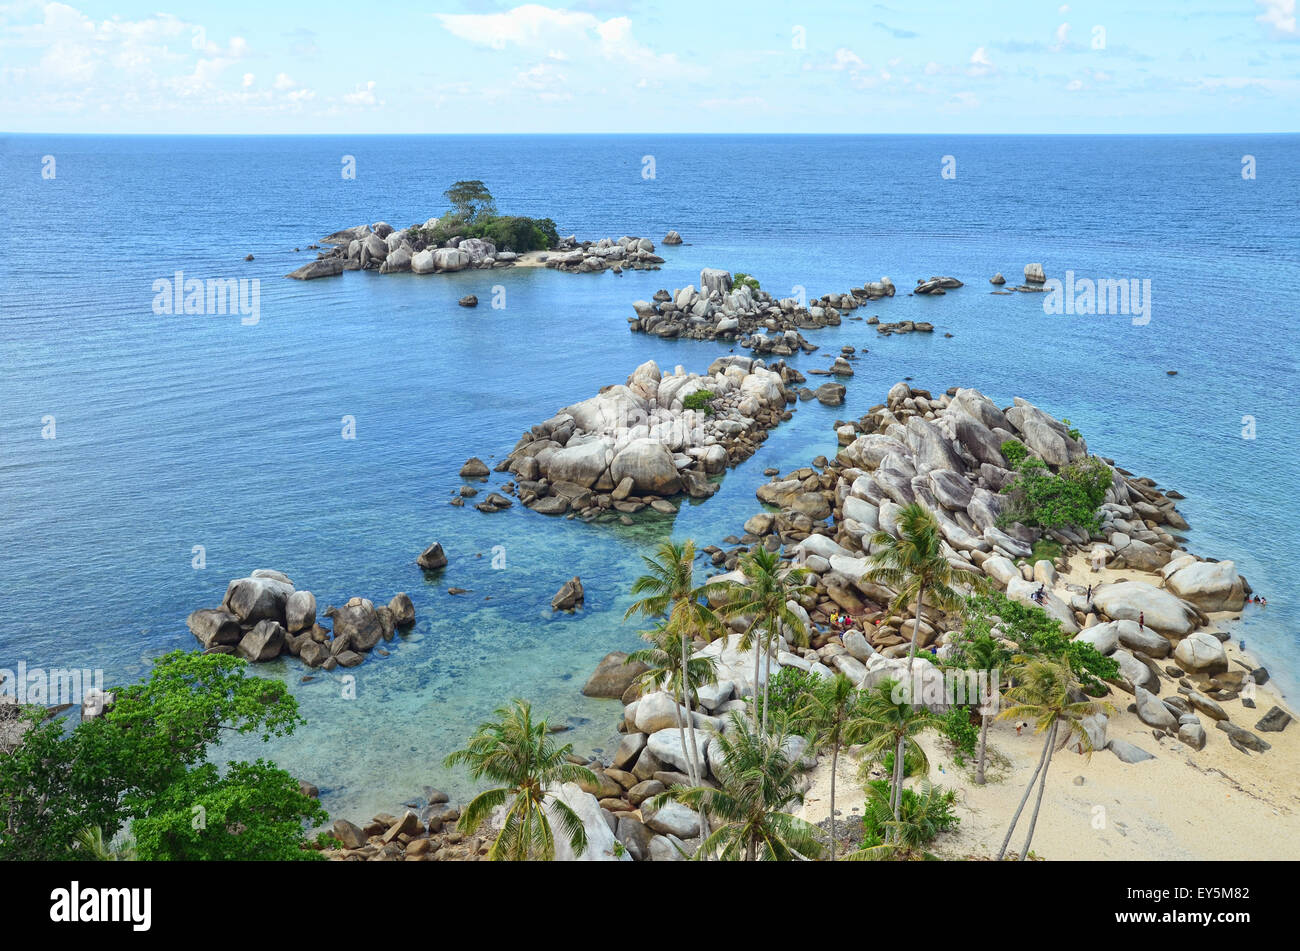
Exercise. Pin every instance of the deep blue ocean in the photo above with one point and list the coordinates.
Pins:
(176, 431)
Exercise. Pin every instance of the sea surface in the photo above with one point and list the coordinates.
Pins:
(176, 431)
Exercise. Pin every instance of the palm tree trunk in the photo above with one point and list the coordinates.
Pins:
(1023, 799)
(979, 759)
(754, 719)
(916, 628)
(767, 656)
(691, 753)
(1042, 784)
(835, 758)
(898, 753)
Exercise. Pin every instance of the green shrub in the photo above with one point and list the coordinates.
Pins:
(1074, 433)
(787, 691)
(923, 815)
(700, 400)
(740, 277)
(1064, 499)
(507, 232)
(1015, 452)
(144, 762)
(960, 731)
(1037, 634)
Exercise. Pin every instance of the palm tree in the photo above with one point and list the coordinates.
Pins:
(670, 591)
(984, 652)
(906, 836)
(912, 564)
(764, 597)
(91, 842)
(888, 723)
(519, 754)
(1043, 693)
(758, 781)
(665, 672)
(826, 714)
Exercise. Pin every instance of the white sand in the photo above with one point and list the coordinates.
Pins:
(1218, 803)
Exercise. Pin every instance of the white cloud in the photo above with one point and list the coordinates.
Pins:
(248, 80)
(283, 83)
(561, 34)
(980, 65)
(1280, 17)
(1074, 85)
(363, 96)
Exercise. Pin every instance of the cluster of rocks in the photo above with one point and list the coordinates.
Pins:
(1035, 281)
(380, 247)
(653, 755)
(618, 255)
(263, 616)
(946, 453)
(637, 445)
(717, 310)
(424, 833)
(902, 326)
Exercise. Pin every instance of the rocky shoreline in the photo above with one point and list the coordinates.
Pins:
(644, 443)
(263, 616)
(380, 247)
(945, 451)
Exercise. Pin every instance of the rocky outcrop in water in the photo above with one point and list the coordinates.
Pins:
(625, 253)
(637, 445)
(264, 616)
(718, 311)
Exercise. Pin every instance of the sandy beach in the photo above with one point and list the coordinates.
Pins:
(1217, 803)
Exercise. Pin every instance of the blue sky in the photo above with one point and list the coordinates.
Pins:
(666, 66)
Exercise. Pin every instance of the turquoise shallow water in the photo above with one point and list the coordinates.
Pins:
(177, 431)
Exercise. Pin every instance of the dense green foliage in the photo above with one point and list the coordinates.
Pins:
(740, 277)
(960, 731)
(517, 753)
(470, 200)
(473, 214)
(1015, 452)
(1067, 498)
(253, 813)
(788, 690)
(699, 400)
(143, 762)
(1036, 634)
(922, 816)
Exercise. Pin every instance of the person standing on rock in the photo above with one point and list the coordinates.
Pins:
(1142, 620)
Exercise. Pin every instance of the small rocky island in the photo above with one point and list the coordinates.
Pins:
(264, 615)
(639, 444)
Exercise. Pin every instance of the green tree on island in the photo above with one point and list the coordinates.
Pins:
(888, 726)
(913, 564)
(764, 597)
(1043, 693)
(143, 762)
(519, 754)
(470, 200)
(827, 715)
(758, 781)
(671, 592)
(666, 672)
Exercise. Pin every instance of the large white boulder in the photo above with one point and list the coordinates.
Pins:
(1211, 586)
(1131, 600)
(1018, 589)
(1201, 653)
(600, 837)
